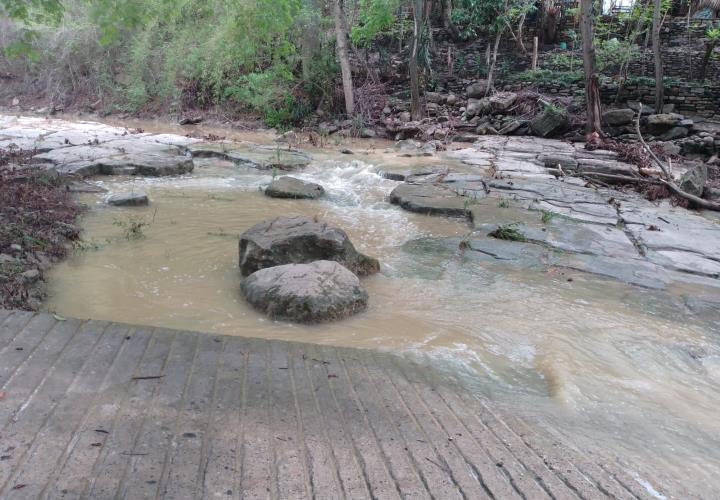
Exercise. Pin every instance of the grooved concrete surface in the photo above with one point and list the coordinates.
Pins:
(90, 409)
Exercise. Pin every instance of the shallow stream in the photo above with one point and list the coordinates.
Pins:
(619, 369)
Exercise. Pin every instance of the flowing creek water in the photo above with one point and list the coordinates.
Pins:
(619, 369)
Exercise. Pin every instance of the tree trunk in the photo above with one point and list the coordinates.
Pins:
(521, 24)
(709, 47)
(310, 39)
(418, 13)
(659, 87)
(493, 61)
(592, 92)
(448, 22)
(342, 53)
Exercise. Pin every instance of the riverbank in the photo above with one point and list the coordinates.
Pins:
(37, 226)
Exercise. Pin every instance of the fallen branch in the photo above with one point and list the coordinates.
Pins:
(700, 202)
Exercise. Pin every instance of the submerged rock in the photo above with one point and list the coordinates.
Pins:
(132, 199)
(290, 187)
(308, 293)
(295, 240)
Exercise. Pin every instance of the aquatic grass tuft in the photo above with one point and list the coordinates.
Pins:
(133, 227)
(508, 232)
(547, 216)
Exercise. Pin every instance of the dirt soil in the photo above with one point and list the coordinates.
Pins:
(37, 216)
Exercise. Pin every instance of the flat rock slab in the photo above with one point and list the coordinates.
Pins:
(430, 199)
(290, 187)
(92, 408)
(300, 240)
(91, 148)
(252, 155)
(306, 293)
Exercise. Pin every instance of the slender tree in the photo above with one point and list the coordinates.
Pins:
(342, 53)
(659, 87)
(592, 89)
(418, 9)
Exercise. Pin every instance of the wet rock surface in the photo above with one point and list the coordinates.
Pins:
(296, 240)
(429, 199)
(308, 293)
(290, 187)
(89, 148)
(132, 199)
(564, 222)
(252, 155)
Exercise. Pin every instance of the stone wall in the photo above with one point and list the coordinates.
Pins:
(691, 99)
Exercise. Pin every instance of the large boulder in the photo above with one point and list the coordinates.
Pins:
(550, 122)
(693, 181)
(477, 107)
(298, 240)
(618, 117)
(477, 89)
(496, 103)
(674, 133)
(308, 293)
(290, 187)
(659, 123)
(502, 101)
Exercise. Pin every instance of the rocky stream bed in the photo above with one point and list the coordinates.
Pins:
(547, 219)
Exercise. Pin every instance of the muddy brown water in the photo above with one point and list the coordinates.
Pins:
(619, 370)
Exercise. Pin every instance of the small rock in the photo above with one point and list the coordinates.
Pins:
(191, 120)
(16, 248)
(712, 194)
(132, 199)
(6, 259)
(31, 276)
(16, 102)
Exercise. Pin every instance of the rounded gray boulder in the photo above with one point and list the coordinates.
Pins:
(290, 187)
(306, 293)
(299, 240)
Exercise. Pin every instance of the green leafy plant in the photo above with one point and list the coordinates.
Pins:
(133, 227)
(547, 216)
(508, 232)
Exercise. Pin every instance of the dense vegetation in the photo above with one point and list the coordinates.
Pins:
(282, 59)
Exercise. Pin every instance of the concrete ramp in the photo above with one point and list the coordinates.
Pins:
(90, 409)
